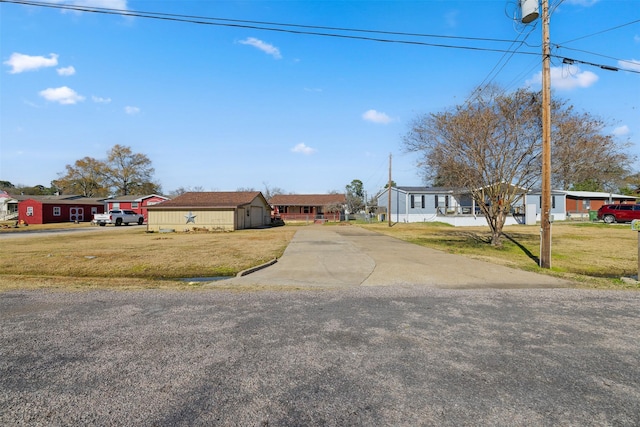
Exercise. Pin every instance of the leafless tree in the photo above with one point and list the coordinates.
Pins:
(583, 156)
(491, 148)
(270, 191)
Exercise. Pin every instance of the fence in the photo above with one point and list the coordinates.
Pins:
(296, 217)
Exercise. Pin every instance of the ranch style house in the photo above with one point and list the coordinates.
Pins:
(309, 207)
(457, 207)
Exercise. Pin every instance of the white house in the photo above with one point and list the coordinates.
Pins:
(457, 207)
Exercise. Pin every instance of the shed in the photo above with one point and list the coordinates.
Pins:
(228, 211)
(54, 209)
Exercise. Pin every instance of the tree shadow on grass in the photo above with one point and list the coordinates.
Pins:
(526, 251)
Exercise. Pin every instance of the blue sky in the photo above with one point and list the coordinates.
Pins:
(222, 107)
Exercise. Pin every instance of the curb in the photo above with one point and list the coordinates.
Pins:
(256, 268)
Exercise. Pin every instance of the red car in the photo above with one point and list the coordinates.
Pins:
(619, 213)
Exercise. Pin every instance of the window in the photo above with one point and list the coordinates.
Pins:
(306, 210)
(115, 205)
(553, 202)
(413, 202)
(29, 210)
(422, 201)
(56, 211)
(134, 205)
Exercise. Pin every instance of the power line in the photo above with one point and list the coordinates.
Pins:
(287, 28)
(602, 31)
(260, 25)
(190, 18)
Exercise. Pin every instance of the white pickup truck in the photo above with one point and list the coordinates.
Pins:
(118, 217)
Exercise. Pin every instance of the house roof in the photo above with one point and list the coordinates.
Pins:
(73, 202)
(428, 189)
(210, 199)
(597, 195)
(307, 199)
(49, 197)
(134, 198)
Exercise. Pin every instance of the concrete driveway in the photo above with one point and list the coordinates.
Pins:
(352, 256)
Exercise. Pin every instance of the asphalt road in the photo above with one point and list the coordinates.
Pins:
(400, 355)
(39, 233)
(356, 329)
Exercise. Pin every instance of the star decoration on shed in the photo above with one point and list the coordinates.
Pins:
(190, 217)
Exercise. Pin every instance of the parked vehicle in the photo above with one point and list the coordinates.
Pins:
(118, 217)
(619, 213)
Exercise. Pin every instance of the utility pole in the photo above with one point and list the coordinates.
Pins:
(529, 13)
(389, 194)
(545, 216)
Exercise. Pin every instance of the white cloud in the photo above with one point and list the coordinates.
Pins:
(621, 130)
(66, 71)
(585, 3)
(20, 62)
(100, 100)
(630, 64)
(131, 110)
(62, 95)
(106, 4)
(451, 18)
(376, 117)
(304, 149)
(566, 78)
(263, 46)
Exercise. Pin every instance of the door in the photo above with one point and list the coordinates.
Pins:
(256, 216)
(76, 214)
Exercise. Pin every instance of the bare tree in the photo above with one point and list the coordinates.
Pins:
(583, 157)
(270, 191)
(490, 148)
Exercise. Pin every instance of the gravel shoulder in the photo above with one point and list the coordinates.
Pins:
(397, 355)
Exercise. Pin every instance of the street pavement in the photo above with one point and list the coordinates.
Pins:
(349, 328)
(351, 256)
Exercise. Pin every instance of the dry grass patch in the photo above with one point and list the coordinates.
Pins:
(109, 257)
(594, 254)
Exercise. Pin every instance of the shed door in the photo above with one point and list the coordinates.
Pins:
(76, 214)
(256, 216)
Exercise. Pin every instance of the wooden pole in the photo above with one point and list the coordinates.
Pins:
(545, 217)
(389, 194)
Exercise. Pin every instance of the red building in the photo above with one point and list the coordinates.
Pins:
(138, 204)
(53, 209)
(581, 202)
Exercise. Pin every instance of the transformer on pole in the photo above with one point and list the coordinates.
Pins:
(530, 10)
